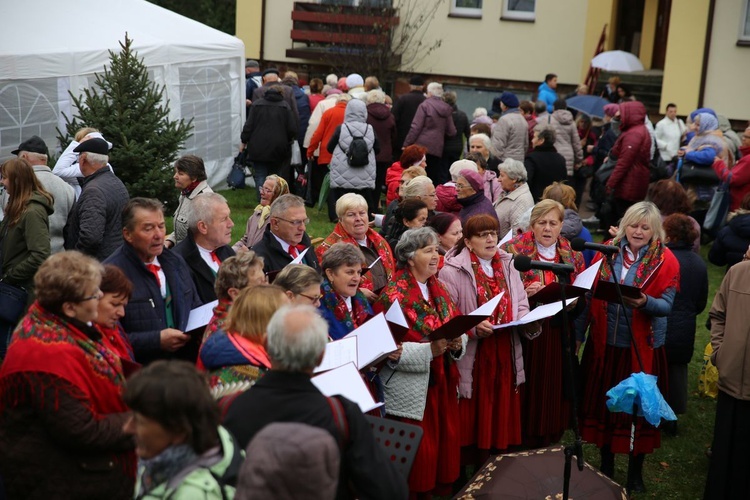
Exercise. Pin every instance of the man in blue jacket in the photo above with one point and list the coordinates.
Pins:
(548, 91)
(163, 292)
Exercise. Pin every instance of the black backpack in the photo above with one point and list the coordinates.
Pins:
(357, 154)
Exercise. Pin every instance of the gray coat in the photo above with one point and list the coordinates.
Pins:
(567, 142)
(510, 137)
(355, 124)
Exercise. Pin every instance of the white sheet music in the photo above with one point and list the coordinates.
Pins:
(298, 259)
(587, 278)
(538, 313)
(338, 353)
(395, 314)
(346, 381)
(373, 263)
(487, 308)
(200, 316)
(374, 340)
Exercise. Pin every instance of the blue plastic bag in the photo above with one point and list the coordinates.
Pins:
(640, 388)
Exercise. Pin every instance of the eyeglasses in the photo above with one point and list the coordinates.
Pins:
(97, 295)
(266, 190)
(486, 234)
(461, 186)
(296, 223)
(310, 298)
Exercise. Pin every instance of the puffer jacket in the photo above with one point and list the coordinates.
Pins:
(433, 121)
(567, 142)
(732, 241)
(547, 94)
(631, 175)
(355, 124)
(458, 277)
(510, 136)
(381, 119)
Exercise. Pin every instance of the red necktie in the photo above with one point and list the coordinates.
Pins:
(293, 250)
(154, 269)
(215, 258)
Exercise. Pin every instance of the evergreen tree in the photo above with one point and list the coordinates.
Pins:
(131, 112)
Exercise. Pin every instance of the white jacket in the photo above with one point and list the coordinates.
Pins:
(668, 136)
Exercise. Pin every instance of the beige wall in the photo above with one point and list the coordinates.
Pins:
(508, 50)
(483, 48)
(728, 65)
(598, 13)
(648, 32)
(248, 22)
(684, 57)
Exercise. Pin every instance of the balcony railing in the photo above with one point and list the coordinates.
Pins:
(321, 31)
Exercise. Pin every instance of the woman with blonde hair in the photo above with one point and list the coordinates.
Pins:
(238, 354)
(572, 224)
(24, 234)
(546, 409)
(273, 187)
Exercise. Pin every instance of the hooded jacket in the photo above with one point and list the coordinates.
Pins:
(631, 175)
(548, 95)
(269, 128)
(381, 119)
(433, 121)
(567, 142)
(510, 136)
(26, 244)
(355, 124)
(732, 241)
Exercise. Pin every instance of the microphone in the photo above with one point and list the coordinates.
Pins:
(524, 263)
(579, 244)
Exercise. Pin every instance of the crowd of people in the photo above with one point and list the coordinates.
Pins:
(105, 392)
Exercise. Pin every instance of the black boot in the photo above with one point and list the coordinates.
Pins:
(607, 466)
(635, 474)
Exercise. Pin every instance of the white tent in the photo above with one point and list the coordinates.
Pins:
(48, 47)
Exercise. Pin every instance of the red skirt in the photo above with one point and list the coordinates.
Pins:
(437, 463)
(605, 428)
(491, 419)
(545, 408)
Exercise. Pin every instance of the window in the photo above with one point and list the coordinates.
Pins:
(466, 8)
(519, 10)
(744, 38)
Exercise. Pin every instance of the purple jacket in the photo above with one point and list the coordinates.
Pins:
(433, 121)
(475, 204)
(459, 279)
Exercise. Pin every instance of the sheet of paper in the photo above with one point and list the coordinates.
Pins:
(373, 263)
(346, 381)
(587, 278)
(395, 315)
(338, 353)
(487, 308)
(298, 259)
(200, 316)
(374, 341)
(538, 313)
(459, 325)
(508, 236)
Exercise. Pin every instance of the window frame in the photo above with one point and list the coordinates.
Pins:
(517, 15)
(470, 12)
(743, 38)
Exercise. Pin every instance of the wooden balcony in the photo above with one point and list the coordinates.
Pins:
(322, 31)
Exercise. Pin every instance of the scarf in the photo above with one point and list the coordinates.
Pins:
(87, 363)
(423, 317)
(348, 320)
(525, 244)
(118, 341)
(219, 319)
(265, 210)
(660, 271)
(164, 466)
(189, 190)
(488, 288)
(374, 241)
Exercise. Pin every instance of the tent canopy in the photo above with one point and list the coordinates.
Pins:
(201, 68)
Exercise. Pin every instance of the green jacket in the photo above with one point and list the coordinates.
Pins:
(26, 244)
(203, 481)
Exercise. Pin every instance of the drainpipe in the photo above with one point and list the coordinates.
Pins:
(261, 57)
(706, 50)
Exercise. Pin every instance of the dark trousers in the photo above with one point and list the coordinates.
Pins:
(381, 168)
(437, 170)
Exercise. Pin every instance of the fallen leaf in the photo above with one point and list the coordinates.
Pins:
(664, 464)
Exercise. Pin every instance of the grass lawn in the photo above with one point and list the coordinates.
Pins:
(675, 471)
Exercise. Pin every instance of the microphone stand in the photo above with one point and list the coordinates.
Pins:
(610, 261)
(577, 447)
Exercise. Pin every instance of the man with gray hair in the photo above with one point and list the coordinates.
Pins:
(253, 80)
(95, 223)
(285, 238)
(432, 123)
(207, 243)
(34, 151)
(296, 341)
